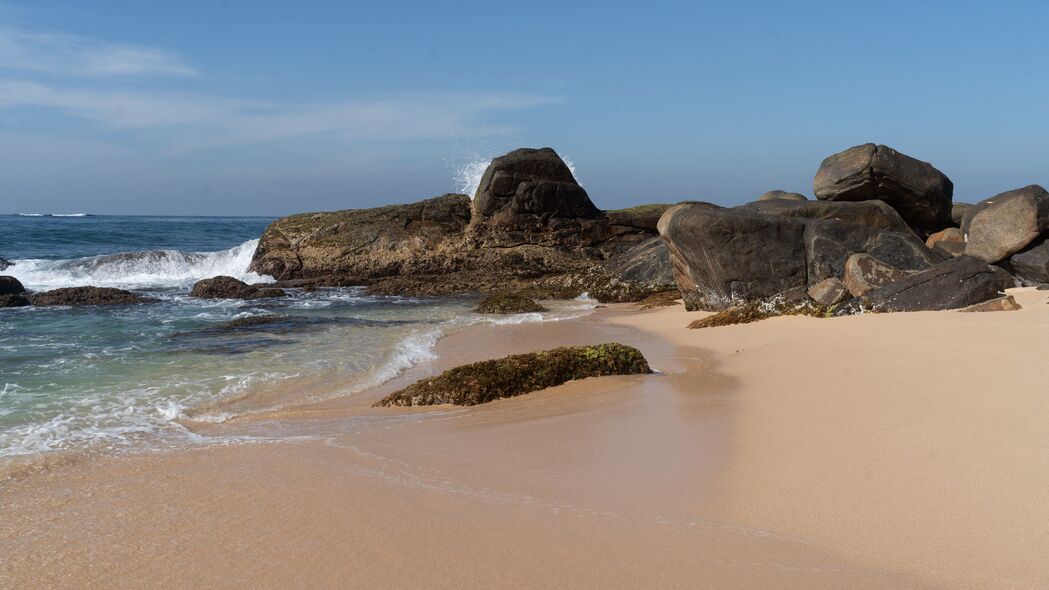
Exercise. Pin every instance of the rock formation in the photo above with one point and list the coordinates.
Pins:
(959, 282)
(1006, 223)
(10, 286)
(223, 287)
(87, 296)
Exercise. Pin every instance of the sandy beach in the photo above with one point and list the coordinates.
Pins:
(875, 451)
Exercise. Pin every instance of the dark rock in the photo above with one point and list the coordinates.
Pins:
(829, 292)
(19, 300)
(959, 282)
(1006, 223)
(87, 296)
(829, 243)
(486, 381)
(1032, 264)
(958, 213)
(918, 191)
(10, 286)
(784, 195)
(873, 214)
(5, 264)
(223, 287)
(1007, 303)
(949, 249)
(721, 257)
(512, 182)
(648, 263)
(251, 322)
(508, 303)
(864, 273)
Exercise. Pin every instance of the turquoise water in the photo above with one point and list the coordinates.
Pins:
(122, 377)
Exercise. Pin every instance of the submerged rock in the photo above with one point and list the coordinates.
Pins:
(224, 287)
(87, 296)
(918, 191)
(19, 300)
(508, 303)
(1006, 223)
(482, 382)
(10, 286)
(251, 321)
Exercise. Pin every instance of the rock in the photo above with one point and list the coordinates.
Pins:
(661, 299)
(486, 381)
(1032, 264)
(19, 300)
(530, 180)
(1006, 303)
(949, 249)
(754, 311)
(873, 214)
(918, 191)
(648, 263)
(224, 287)
(644, 217)
(724, 256)
(863, 273)
(251, 322)
(87, 296)
(958, 213)
(1006, 223)
(951, 234)
(5, 264)
(721, 257)
(957, 283)
(829, 292)
(508, 303)
(784, 195)
(10, 286)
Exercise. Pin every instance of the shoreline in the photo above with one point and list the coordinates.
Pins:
(695, 476)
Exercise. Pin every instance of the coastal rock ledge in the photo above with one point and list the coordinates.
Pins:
(530, 227)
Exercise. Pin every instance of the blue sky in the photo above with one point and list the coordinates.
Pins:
(270, 108)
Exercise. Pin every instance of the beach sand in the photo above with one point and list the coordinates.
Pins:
(876, 451)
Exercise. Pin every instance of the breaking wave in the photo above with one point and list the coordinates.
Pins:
(138, 270)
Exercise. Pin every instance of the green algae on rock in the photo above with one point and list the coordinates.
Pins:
(508, 303)
(478, 383)
(754, 311)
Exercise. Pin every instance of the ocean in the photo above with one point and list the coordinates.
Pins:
(123, 377)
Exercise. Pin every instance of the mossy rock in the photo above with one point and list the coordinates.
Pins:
(661, 299)
(482, 382)
(508, 303)
(251, 321)
(759, 310)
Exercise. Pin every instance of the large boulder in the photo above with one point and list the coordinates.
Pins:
(10, 286)
(648, 262)
(1032, 264)
(873, 214)
(830, 243)
(1006, 223)
(87, 296)
(959, 282)
(224, 287)
(918, 191)
(776, 195)
(530, 180)
(864, 273)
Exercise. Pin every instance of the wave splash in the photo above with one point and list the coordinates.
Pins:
(139, 270)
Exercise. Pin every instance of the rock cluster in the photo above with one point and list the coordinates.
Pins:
(883, 235)
(482, 382)
(530, 227)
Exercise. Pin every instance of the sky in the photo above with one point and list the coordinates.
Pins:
(269, 108)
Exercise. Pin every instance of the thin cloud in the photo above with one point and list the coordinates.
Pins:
(191, 122)
(71, 55)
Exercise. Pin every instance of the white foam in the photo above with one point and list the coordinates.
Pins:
(138, 270)
(468, 176)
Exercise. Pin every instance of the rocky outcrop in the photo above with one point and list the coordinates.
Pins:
(18, 300)
(782, 195)
(1006, 223)
(918, 191)
(1032, 264)
(10, 286)
(5, 264)
(87, 296)
(957, 283)
(722, 257)
(531, 226)
(508, 303)
(224, 287)
(864, 273)
(486, 381)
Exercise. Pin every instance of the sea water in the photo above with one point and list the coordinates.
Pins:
(123, 377)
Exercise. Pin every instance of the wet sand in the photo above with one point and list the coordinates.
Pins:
(889, 451)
